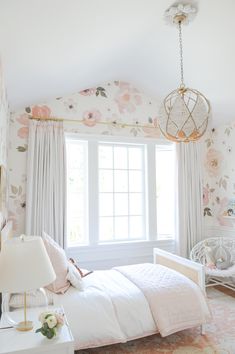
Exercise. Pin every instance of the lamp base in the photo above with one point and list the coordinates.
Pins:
(24, 326)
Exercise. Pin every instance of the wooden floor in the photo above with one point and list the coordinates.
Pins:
(225, 290)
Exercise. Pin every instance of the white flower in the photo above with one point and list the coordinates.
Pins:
(51, 321)
(43, 315)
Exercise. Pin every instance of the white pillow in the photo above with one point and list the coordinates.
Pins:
(74, 277)
(34, 299)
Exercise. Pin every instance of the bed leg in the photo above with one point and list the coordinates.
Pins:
(203, 330)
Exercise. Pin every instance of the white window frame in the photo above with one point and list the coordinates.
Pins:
(144, 189)
(93, 203)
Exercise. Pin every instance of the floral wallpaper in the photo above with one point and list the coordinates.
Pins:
(4, 122)
(102, 110)
(219, 177)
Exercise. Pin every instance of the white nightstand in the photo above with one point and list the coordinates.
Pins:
(13, 341)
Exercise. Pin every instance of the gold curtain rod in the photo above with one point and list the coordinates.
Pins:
(122, 125)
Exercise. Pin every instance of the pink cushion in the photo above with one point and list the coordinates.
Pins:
(60, 264)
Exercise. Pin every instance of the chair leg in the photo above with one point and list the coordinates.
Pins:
(203, 329)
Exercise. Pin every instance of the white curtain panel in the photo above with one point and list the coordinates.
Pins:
(46, 180)
(190, 226)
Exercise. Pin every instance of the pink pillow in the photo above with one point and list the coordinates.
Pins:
(60, 264)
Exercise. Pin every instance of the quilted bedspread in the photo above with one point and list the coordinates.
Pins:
(175, 301)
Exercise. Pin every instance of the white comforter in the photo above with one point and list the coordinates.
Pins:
(126, 303)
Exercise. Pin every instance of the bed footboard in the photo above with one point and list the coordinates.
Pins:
(190, 269)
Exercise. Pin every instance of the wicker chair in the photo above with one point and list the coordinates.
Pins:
(218, 256)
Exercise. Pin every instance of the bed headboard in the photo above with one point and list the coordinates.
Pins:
(5, 233)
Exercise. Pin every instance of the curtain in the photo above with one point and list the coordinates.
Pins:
(190, 227)
(46, 180)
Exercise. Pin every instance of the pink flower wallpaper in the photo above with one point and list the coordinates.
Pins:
(219, 176)
(119, 103)
(116, 103)
(4, 135)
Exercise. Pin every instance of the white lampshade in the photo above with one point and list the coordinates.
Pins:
(24, 265)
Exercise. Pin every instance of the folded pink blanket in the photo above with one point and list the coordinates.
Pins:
(175, 301)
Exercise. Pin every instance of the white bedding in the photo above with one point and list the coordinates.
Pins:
(113, 308)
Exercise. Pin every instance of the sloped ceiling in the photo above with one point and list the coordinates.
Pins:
(54, 47)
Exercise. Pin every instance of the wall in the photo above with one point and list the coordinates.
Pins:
(4, 122)
(219, 180)
(103, 110)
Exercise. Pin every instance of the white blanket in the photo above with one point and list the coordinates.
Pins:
(111, 309)
(126, 303)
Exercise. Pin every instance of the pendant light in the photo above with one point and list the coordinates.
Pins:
(184, 112)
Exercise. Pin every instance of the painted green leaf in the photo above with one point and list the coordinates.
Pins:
(103, 94)
(224, 184)
(27, 109)
(20, 190)
(22, 148)
(14, 189)
(207, 211)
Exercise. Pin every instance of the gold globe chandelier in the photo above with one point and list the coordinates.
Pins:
(184, 113)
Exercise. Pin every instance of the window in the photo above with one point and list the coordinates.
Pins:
(77, 221)
(165, 192)
(123, 191)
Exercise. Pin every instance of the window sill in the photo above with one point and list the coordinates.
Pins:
(103, 256)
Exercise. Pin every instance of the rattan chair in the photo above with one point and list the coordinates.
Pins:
(218, 256)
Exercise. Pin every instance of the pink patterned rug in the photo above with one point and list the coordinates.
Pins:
(219, 338)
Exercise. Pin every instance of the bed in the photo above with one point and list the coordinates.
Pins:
(135, 301)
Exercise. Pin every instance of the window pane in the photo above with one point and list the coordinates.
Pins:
(120, 157)
(121, 228)
(76, 180)
(105, 156)
(120, 181)
(121, 204)
(76, 204)
(136, 227)
(106, 180)
(136, 203)
(165, 193)
(77, 230)
(106, 229)
(135, 158)
(124, 183)
(135, 181)
(106, 204)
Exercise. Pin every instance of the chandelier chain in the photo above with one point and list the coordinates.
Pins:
(181, 55)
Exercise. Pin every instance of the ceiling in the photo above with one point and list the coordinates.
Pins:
(51, 48)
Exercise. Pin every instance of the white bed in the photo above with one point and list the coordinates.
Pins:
(130, 302)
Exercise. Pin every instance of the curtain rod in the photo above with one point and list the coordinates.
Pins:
(123, 125)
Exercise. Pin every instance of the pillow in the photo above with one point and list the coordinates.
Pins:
(34, 299)
(209, 257)
(59, 262)
(74, 277)
(223, 257)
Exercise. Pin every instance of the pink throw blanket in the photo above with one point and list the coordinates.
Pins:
(175, 301)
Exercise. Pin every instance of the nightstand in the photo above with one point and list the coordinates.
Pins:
(13, 341)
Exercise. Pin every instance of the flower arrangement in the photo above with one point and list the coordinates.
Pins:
(51, 324)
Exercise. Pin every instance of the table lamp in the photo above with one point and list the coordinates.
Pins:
(24, 266)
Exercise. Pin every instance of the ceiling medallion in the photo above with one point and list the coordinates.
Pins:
(184, 113)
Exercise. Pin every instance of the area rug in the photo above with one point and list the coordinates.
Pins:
(219, 337)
